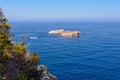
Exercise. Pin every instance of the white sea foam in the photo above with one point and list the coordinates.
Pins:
(33, 37)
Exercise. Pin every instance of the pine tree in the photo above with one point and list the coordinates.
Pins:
(15, 59)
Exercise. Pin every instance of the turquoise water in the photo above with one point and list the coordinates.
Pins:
(95, 55)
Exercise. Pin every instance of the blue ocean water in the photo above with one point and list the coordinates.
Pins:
(95, 55)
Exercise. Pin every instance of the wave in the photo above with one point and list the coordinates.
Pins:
(33, 37)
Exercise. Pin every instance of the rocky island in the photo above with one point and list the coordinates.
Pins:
(63, 33)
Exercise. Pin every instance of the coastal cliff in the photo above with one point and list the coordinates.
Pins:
(16, 62)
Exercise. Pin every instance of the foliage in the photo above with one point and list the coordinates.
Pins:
(34, 58)
(19, 49)
(15, 59)
(19, 78)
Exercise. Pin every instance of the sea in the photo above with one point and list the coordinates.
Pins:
(94, 55)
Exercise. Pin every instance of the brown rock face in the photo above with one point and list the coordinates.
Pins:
(70, 34)
(63, 33)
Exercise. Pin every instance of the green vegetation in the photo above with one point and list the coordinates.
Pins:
(19, 78)
(19, 49)
(15, 59)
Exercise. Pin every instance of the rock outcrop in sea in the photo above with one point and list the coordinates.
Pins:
(43, 74)
(63, 33)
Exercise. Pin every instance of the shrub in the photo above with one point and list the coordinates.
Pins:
(19, 78)
(19, 49)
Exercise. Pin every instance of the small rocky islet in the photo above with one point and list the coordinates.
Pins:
(64, 33)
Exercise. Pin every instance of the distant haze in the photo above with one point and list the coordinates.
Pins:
(61, 10)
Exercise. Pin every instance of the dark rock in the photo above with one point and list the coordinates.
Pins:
(45, 75)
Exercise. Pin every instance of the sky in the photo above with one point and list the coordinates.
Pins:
(61, 9)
